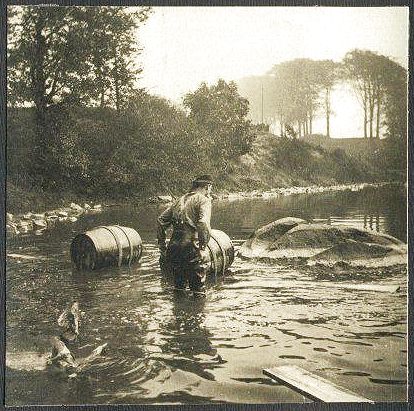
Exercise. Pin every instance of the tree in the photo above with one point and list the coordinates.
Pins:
(66, 56)
(221, 111)
(293, 92)
(357, 71)
(160, 149)
(327, 76)
(380, 84)
(395, 101)
(395, 119)
(56, 52)
(298, 84)
(114, 66)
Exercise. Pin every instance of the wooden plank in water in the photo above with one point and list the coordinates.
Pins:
(311, 385)
(367, 287)
(22, 256)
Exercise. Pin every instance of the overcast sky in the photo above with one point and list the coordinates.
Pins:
(183, 46)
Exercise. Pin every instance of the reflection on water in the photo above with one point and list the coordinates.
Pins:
(165, 347)
(370, 220)
(385, 207)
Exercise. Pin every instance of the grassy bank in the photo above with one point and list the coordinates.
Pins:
(24, 199)
(271, 163)
(275, 162)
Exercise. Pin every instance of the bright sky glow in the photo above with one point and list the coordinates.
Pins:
(184, 46)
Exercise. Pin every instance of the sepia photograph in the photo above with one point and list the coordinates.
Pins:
(206, 205)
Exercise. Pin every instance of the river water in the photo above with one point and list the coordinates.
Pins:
(168, 348)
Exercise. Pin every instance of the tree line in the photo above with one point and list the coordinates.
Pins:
(298, 90)
(73, 99)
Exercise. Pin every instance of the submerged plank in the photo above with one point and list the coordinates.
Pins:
(368, 287)
(311, 385)
(22, 256)
(275, 284)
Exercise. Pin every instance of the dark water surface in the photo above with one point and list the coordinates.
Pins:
(164, 348)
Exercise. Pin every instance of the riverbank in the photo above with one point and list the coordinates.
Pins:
(270, 163)
(38, 221)
(313, 189)
(41, 221)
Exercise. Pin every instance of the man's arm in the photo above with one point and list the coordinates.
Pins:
(163, 222)
(203, 222)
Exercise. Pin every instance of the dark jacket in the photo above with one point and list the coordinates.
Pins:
(189, 217)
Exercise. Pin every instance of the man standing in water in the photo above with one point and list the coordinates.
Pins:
(189, 217)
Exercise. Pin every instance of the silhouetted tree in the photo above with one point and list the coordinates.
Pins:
(298, 88)
(379, 83)
(327, 76)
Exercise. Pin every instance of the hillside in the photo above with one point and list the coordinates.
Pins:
(276, 162)
(351, 146)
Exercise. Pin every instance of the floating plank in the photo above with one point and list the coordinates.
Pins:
(273, 284)
(22, 256)
(368, 287)
(311, 385)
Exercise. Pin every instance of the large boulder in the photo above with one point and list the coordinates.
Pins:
(362, 254)
(165, 199)
(315, 236)
(371, 237)
(294, 238)
(260, 241)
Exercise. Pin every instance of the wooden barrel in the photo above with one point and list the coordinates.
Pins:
(106, 246)
(221, 252)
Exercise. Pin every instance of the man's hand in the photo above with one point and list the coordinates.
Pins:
(162, 246)
(163, 257)
(203, 255)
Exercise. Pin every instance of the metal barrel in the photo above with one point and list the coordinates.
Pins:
(221, 252)
(106, 246)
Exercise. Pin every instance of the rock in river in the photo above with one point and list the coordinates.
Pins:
(292, 238)
(165, 198)
(76, 207)
(362, 254)
(39, 223)
(260, 241)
